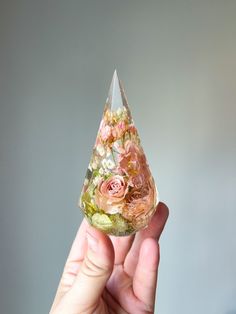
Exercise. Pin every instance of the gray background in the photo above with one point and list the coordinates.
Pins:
(177, 60)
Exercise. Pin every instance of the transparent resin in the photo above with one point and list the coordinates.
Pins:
(119, 195)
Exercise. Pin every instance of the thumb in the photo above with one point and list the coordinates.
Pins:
(95, 270)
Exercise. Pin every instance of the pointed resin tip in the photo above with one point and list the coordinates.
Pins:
(116, 96)
(119, 194)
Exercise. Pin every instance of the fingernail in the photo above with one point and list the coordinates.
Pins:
(92, 242)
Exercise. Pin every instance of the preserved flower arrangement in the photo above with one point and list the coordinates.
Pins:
(119, 195)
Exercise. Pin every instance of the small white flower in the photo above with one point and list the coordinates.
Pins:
(110, 164)
(119, 111)
(100, 150)
(104, 163)
(107, 172)
(114, 210)
(101, 171)
(108, 153)
(86, 181)
(94, 165)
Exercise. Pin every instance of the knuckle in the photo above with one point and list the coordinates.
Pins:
(69, 275)
(93, 269)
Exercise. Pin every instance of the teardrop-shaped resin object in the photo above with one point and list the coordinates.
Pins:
(119, 195)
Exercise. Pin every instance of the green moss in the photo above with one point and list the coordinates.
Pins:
(113, 224)
(102, 222)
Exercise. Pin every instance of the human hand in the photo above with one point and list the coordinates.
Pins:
(111, 274)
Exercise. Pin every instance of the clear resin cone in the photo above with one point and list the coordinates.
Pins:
(119, 194)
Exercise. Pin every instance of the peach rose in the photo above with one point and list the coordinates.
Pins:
(140, 202)
(109, 196)
(137, 194)
(138, 181)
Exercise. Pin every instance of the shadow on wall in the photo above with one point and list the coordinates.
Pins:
(231, 312)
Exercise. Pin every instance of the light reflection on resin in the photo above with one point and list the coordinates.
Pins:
(119, 195)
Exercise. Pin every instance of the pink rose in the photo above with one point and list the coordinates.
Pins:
(113, 187)
(109, 195)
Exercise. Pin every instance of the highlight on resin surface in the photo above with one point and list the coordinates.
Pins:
(119, 195)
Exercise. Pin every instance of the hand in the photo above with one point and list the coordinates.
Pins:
(111, 274)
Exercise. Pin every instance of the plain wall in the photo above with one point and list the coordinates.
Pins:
(177, 60)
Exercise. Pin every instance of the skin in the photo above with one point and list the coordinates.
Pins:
(111, 274)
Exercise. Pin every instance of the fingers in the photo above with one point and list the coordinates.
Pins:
(93, 274)
(121, 246)
(154, 231)
(145, 277)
